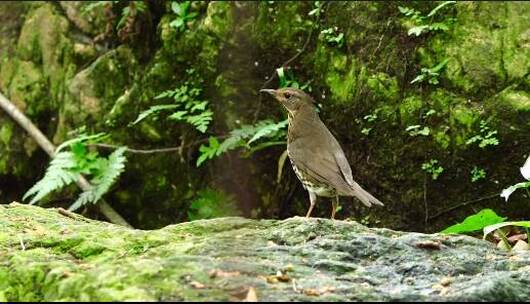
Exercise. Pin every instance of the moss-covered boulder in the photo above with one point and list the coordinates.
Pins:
(68, 66)
(53, 255)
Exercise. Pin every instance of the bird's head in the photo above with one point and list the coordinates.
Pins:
(292, 99)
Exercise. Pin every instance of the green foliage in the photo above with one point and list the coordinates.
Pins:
(425, 24)
(430, 74)
(525, 172)
(287, 79)
(485, 138)
(477, 174)
(244, 137)
(211, 204)
(60, 173)
(317, 10)
(187, 106)
(433, 168)
(478, 221)
(132, 9)
(66, 167)
(416, 130)
(183, 15)
(105, 174)
(370, 119)
(332, 36)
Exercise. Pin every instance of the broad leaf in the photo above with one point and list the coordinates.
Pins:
(483, 218)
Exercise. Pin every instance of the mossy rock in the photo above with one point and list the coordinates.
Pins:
(53, 255)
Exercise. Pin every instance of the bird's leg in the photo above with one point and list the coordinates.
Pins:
(312, 201)
(334, 206)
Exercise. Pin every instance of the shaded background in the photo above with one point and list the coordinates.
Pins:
(66, 69)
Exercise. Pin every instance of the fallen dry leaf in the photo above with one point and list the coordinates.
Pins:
(197, 285)
(318, 292)
(429, 245)
(446, 281)
(311, 292)
(251, 295)
(218, 273)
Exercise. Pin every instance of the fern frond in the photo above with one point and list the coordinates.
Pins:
(80, 139)
(102, 183)
(152, 110)
(57, 176)
(267, 130)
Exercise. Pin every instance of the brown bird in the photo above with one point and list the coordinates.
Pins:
(316, 156)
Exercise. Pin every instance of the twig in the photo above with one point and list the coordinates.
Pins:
(22, 243)
(70, 214)
(47, 146)
(462, 205)
(157, 150)
(425, 198)
(138, 151)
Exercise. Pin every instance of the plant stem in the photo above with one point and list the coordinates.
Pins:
(49, 148)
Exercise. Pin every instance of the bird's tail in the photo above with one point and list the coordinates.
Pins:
(365, 197)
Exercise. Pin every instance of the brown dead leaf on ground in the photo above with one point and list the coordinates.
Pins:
(251, 295)
(218, 273)
(197, 285)
(436, 245)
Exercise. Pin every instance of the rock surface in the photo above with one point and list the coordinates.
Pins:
(51, 255)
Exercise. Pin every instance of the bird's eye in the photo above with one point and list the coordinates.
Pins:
(287, 95)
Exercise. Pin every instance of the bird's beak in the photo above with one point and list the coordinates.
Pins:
(270, 91)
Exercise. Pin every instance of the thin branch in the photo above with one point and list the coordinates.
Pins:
(157, 150)
(49, 148)
(138, 151)
(462, 205)
(425, 198)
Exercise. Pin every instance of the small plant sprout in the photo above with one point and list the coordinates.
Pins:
(525, 171)
(477, 174)
(332, 36)
(433, 168)
(183, 15)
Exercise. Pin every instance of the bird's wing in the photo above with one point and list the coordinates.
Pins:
(319, 164)
(329, 167)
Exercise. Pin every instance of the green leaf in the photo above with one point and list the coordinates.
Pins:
(483, 218)
(152, 110)
(436, 9)
(281, 163)
(417, 30)
(58, 175)
(81, 139)
(208, 152)
(102, 182)
(267, 130)
(418, 78)
(490, 228)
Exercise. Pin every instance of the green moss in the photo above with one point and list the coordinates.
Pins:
(441, 138)
(27, 88)
(518, 100)
(383, 87)
(219, 20)
(6, 131)
(409, 109)
(289, 25)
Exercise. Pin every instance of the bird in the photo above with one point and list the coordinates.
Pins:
(315, 154)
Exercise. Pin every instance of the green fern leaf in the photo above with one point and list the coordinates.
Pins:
(104, 180)
(267, 130)
(153, 110)
(57, 176)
